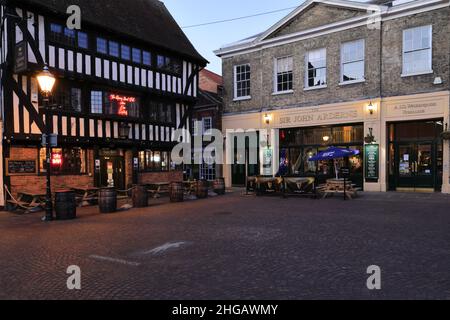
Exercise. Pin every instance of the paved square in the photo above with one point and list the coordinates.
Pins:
(235, 247)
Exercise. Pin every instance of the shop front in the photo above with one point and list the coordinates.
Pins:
(298, 145)
(398, 139)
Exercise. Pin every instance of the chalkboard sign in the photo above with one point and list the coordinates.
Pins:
(21, 167)
(371, 159)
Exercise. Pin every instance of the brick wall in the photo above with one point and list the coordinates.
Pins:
(393, 84)
(37, 183)
(169, 176)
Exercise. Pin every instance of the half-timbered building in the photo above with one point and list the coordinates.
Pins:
(129, 68)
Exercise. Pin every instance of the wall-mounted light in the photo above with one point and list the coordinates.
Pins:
(371, 108)
(267, 118)
(326, 139)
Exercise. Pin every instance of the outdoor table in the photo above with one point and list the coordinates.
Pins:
(87, 195)
(337, 186)
(156, 188)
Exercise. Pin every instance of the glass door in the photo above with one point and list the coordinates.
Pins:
(415, 165)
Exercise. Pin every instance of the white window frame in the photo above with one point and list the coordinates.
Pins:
(236, 98)
(203, 124)
(430, 53)
(342, 82)
(275, 75)
(195, 127)
(307, 86)
(207, 171)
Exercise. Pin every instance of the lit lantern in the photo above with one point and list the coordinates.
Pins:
(46, 81)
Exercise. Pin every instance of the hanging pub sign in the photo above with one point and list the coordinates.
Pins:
(21, 57)
(372, 160)
(122, 103)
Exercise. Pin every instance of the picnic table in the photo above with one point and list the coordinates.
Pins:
(157, 188)
(26, 200)
(333, 186)
(86, 195)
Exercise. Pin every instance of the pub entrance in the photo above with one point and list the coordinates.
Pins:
(241, 167)
(112, 169)
(415, 156)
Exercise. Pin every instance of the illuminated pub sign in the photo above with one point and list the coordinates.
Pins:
(123, 105)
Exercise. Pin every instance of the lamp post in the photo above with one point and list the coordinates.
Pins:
(46, 82)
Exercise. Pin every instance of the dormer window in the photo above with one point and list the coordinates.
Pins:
(102, 46)
(125, 52)
(114, 49)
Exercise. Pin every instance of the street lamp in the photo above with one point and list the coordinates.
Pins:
(46, 82)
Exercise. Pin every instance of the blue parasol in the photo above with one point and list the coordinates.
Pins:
(334, 153)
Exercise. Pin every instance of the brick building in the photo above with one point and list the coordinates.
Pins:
(125, 81)
(207, 114)
(350, 74)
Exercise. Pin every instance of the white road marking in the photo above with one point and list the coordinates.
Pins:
(121, 261)
(165, 247)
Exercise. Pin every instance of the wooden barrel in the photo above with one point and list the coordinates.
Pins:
(107, 200)
(140, 196)
(201, 189)
(176, 191)
(65, 205)
(219, 186)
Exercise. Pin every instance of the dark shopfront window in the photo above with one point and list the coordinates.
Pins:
(110, 103)
(300, 144)
(161, 112)
(67, 97)
(150, 161)
(64, 161)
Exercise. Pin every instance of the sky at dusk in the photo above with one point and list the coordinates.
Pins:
(206, 39)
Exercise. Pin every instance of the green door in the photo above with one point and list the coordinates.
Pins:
(415, 166)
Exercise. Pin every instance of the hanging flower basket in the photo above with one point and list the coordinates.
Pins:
(445, 135)
(369, 139)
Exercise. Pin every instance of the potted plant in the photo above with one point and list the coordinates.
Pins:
(446, 134)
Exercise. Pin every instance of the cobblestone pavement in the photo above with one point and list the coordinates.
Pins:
(235, 247)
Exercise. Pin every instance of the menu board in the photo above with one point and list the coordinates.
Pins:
(372, 160)
(21, 167)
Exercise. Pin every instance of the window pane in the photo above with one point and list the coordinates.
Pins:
(353, 71)
(83, 40)
(136, 55)
(56, 28)
(97, 102)
(101, 45)
(146, 58)
(126, 54)
(76, 99)
(417, 50)
(114, 49)
(161, 61)
(242, 83)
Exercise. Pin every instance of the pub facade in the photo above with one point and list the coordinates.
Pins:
(125, 82)
(363, 76)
